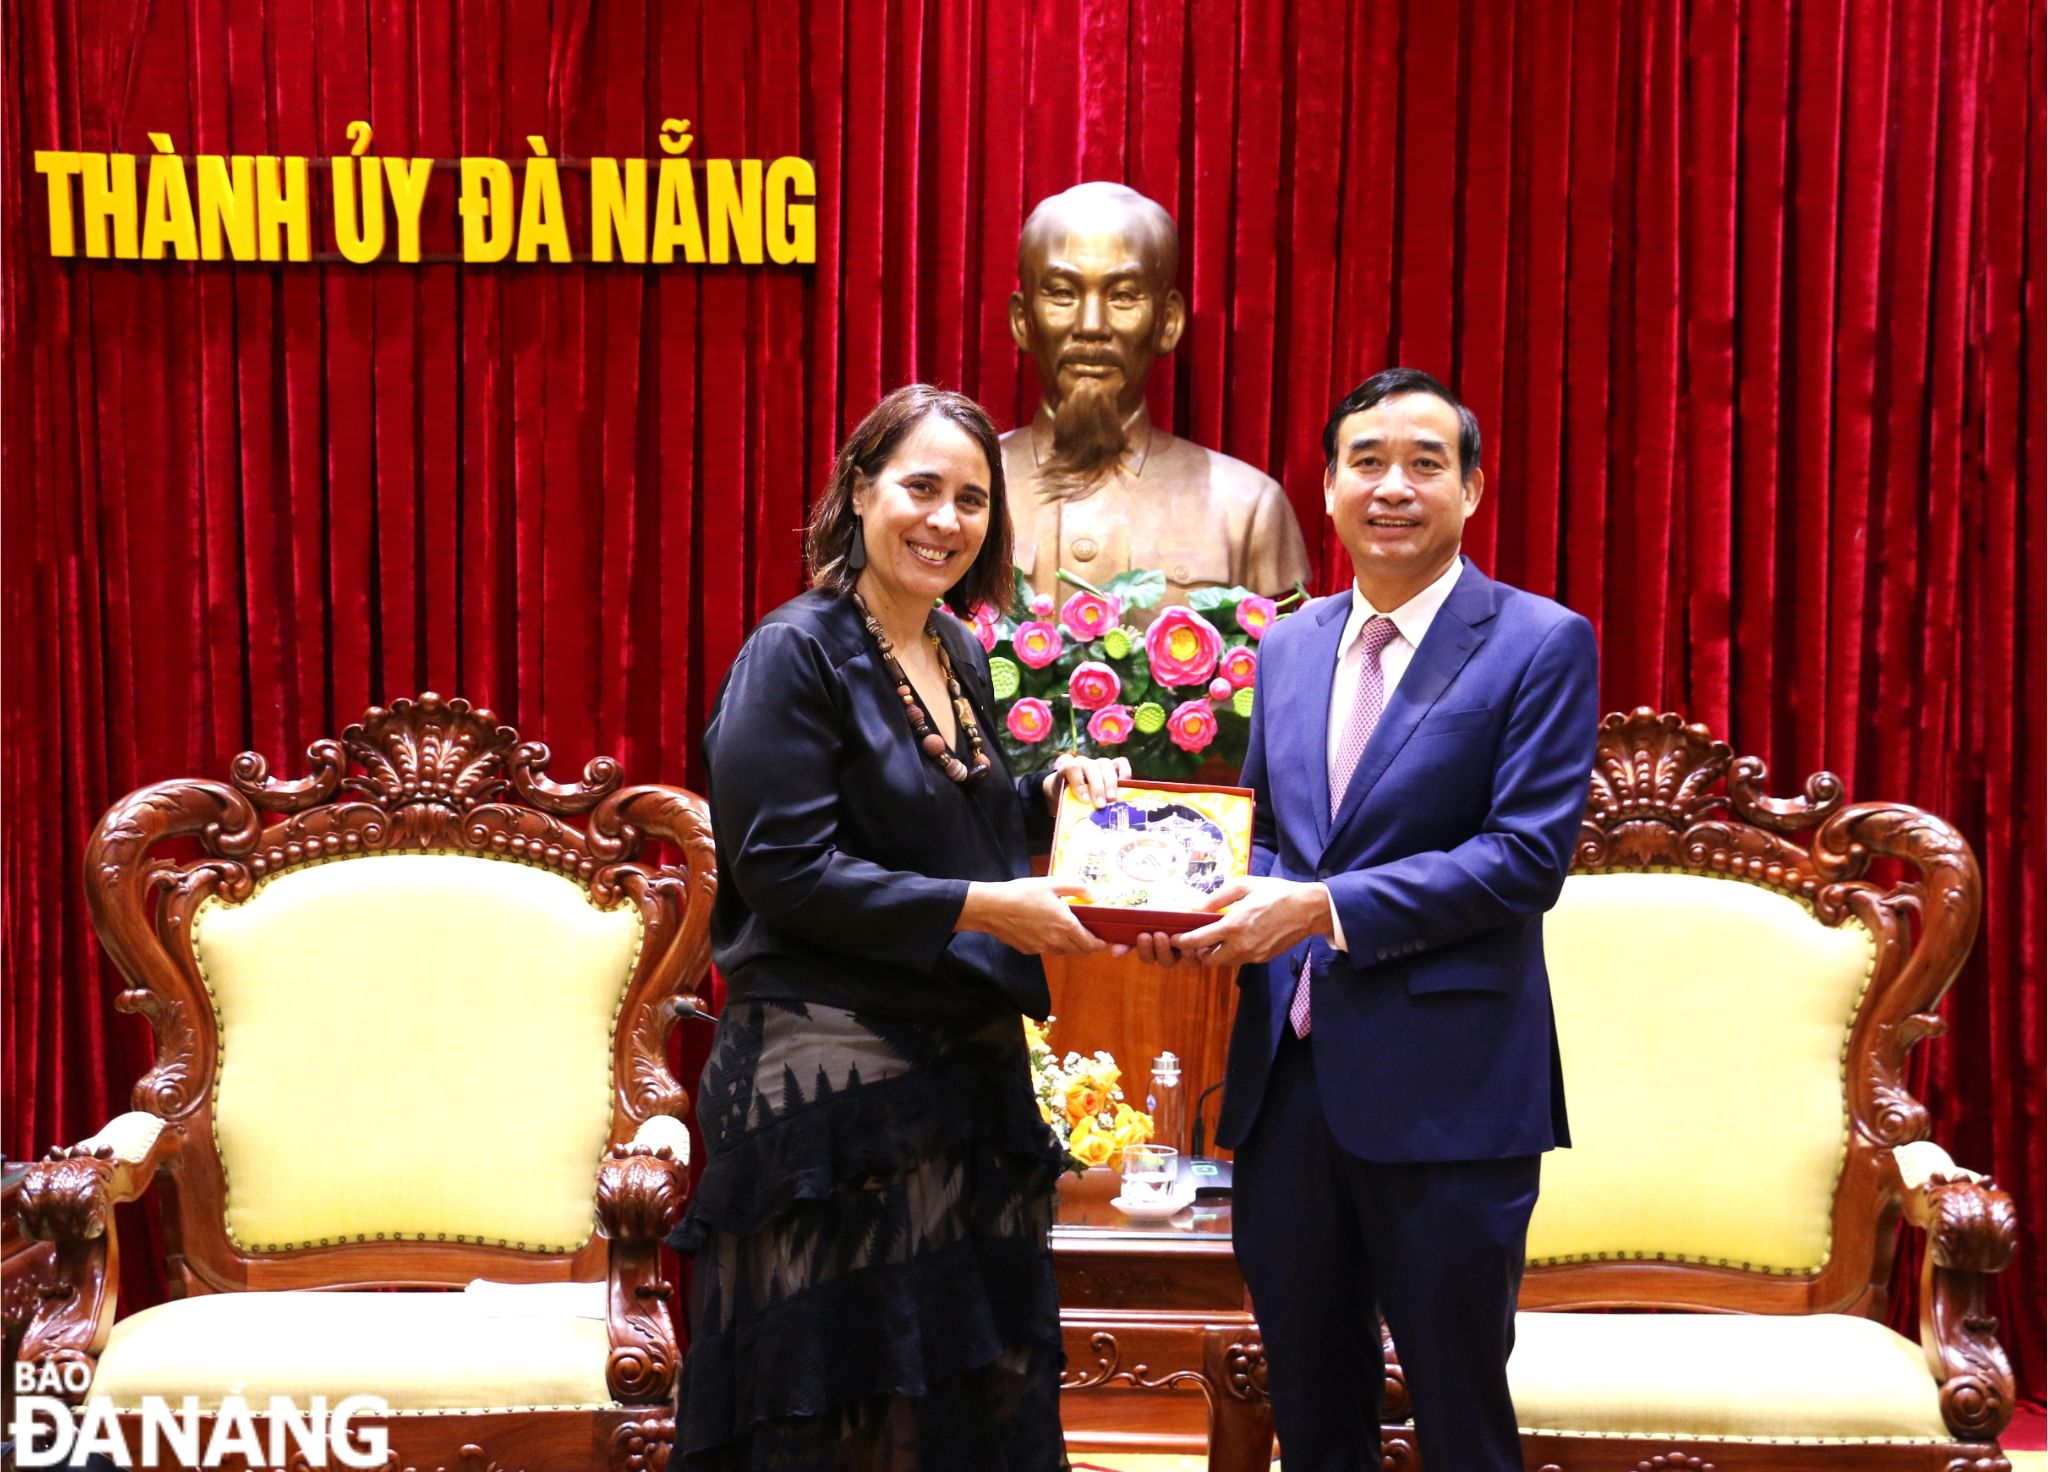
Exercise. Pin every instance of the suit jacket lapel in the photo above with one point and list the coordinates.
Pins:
(1303, 730)
(1459, 629)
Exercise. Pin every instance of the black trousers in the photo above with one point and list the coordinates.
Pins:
(1328, 1243)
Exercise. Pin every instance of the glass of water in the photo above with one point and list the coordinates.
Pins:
(1150, 1173)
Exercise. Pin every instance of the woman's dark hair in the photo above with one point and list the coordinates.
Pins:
(829, 537)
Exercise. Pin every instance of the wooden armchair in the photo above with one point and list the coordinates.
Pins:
(1738, 980)
(411, 1018)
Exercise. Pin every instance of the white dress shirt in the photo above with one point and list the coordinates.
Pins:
(1411, 621)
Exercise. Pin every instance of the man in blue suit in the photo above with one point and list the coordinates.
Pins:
(1420, 746)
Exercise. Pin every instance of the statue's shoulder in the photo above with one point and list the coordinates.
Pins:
(1229, 478)
(1020, 474)
(1020, 466)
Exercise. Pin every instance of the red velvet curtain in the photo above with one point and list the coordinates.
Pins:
(1747, 293)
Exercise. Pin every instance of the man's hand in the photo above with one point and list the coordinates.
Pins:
(1267, 918)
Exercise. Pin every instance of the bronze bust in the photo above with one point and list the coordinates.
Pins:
(1095, 486)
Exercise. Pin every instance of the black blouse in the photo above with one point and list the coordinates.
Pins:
(844, 853)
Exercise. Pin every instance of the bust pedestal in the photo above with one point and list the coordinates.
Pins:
(1136, 1012)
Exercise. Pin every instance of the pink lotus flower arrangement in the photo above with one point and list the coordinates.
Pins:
(1082, 675)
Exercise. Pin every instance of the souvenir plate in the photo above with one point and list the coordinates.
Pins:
(1152, 858)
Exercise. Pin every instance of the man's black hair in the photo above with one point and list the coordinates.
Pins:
(1392, 383)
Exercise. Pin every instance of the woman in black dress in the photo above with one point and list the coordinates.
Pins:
(873, 1282)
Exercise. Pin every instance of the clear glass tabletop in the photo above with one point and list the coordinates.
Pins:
(1084, 1210)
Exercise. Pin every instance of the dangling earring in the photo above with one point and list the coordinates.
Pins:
(857, 554)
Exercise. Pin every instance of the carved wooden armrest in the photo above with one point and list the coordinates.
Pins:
(1972, 1232)
(67, 1199)
(640, 1191)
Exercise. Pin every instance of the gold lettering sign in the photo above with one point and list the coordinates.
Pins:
(259, 207)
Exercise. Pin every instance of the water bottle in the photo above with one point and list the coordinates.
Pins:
(1166, 1104)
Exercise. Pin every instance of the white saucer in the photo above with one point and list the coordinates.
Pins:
(1155, 1211)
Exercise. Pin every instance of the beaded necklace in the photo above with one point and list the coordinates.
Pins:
(929, 740)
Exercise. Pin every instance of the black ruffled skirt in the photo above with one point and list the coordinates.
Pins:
(872, 1283)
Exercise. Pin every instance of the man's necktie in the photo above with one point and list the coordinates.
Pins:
(1367, 701)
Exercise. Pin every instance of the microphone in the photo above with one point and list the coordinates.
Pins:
(1198, 1138)
(690, 1009)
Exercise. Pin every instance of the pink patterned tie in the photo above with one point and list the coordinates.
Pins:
(1366, 704)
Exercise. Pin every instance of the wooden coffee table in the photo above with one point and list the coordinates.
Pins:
(1155, 1306)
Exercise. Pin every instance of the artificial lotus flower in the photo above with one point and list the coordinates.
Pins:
(1182, 647)
(1111, 726)
(1255, 615)
(1192, 726)
(1220, 690)
(1240, 666)
(1031, 720)
(1092, 685)
(984, 624)
(1038, 643)
(1090, 615)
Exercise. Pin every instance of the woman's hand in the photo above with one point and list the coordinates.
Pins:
(1029, 915)
(1095, 776)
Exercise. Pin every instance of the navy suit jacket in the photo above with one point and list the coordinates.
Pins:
(1433, 1036)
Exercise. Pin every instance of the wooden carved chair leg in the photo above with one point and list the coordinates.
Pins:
(1240, 1416)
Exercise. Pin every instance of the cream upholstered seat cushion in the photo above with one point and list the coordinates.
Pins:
(1801, 1376)
(1703, 1023)
(538, 1345)
(414, 1045)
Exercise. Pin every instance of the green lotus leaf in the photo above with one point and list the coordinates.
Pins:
(1141, 587)
(1209, 600)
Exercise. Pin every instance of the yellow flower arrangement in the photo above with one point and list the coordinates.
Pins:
(1082, 1099)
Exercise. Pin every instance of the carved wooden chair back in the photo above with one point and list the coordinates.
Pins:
(402, 1006)
(1738, 980)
